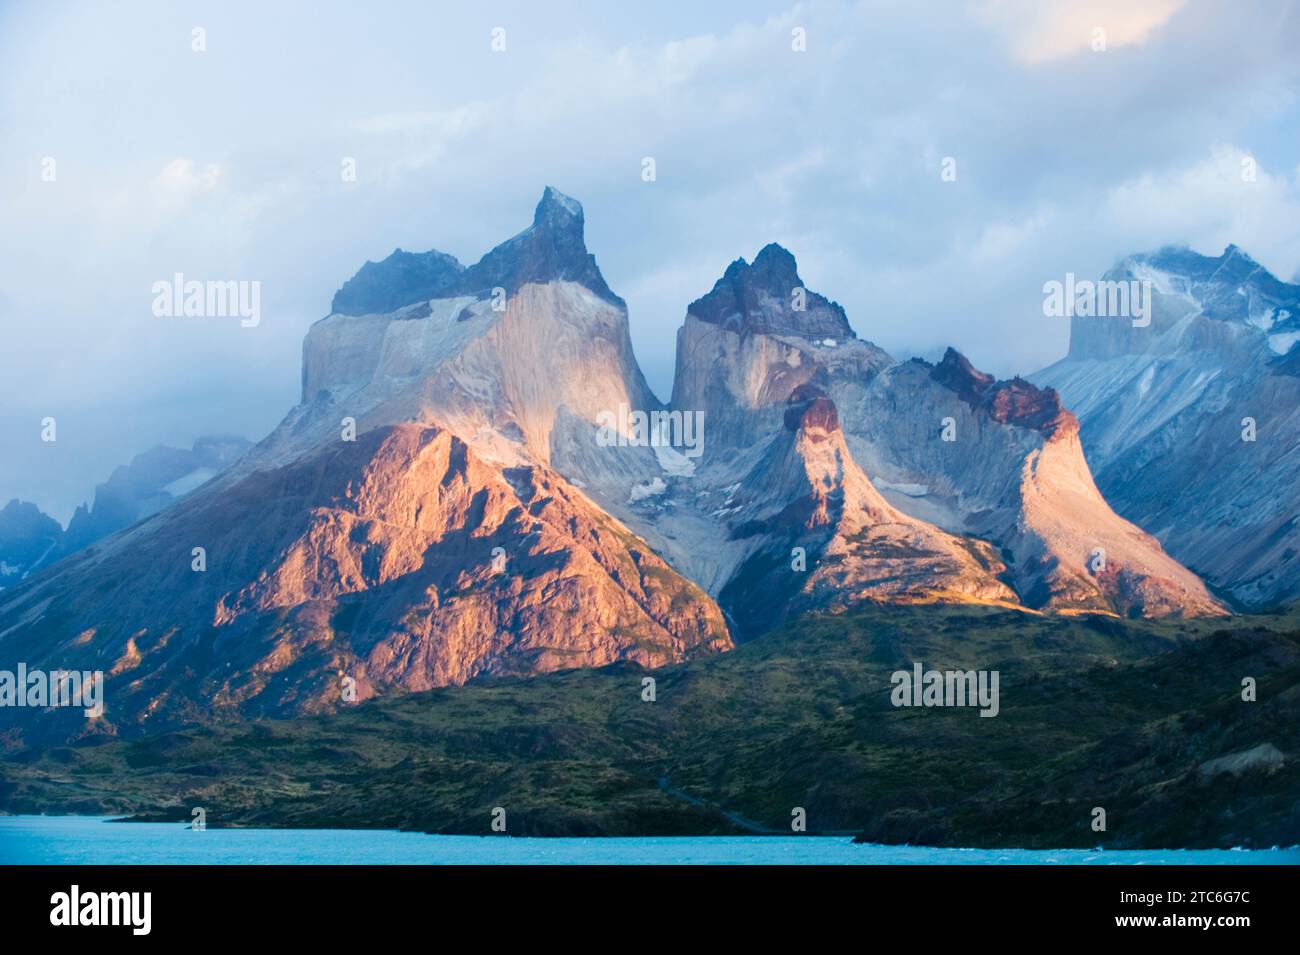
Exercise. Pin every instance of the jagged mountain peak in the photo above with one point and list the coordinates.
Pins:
(1231, 286)
(955, 372)
(552, 249)
(1183, 260)
(776, 263)
(1021, 402)
(555, 210)
(768, 297)
(18, 509)
(1229, 307)
(1015, 401)
(400, 279)
(527, 338)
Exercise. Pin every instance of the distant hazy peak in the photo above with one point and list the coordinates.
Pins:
(20, 517)
(26, 535)
(1233, 263)
(1228, 308)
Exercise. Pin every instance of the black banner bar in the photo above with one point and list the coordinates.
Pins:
(337, 904)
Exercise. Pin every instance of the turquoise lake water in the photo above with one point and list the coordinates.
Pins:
(91, 840)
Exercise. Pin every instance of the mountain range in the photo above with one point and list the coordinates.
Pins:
(31, 539)
(478, 483)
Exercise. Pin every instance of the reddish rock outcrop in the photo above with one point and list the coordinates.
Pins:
(399, 560)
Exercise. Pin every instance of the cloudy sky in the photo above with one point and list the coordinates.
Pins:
(225, 164)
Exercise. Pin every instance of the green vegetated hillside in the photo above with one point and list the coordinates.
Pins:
(1131, 716)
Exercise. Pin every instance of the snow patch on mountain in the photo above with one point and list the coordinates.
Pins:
(911, 490)
(1282, 342)
(652, 488)
(185, 484)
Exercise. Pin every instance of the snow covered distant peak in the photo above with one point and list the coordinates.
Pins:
(1189, 423)
(1227, 307)
(1230, 287)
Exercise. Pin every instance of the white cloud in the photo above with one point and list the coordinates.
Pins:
(184, 175)
(451, 122)
(1207, 204)
(1042, 30)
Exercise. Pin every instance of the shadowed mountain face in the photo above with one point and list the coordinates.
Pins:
(27, 535)
(552, 249)
(1191, 422)
(400, 279)
(479, 483)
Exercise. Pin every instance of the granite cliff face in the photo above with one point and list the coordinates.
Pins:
(1191, 422)
(756, 338)
(1002, 461)
(501, 354)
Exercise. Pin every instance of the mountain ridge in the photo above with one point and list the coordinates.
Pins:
(149, 482)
